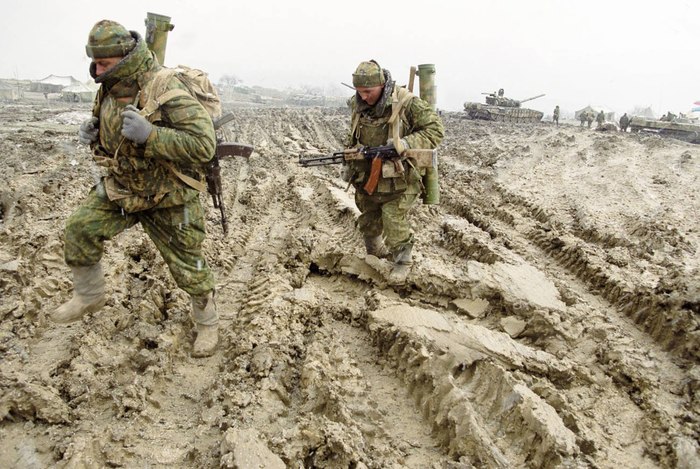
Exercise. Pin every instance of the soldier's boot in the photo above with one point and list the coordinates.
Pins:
(88, 294)
(206, 321)
(402, 266)
(375, 247)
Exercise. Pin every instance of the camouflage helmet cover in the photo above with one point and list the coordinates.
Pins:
(109, 39)
(368, 74)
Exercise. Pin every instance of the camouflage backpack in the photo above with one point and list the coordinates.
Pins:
(154, 94)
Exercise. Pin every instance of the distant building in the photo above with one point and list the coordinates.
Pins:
(9, 92)
(52, 84)
(641, 111)
(78, 93)
(609, 114)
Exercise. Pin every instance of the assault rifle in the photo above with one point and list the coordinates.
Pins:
(420, 158)
(213, 169)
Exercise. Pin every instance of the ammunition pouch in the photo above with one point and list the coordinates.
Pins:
(127, 200)
(393, 168)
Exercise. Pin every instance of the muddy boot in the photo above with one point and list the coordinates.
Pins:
(88, 294)
(375, 247)
(402, 266)
(206, 321)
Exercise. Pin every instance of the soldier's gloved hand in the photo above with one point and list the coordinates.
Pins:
(87, 134)
(135, 127)
(404, 142)
(346, 173)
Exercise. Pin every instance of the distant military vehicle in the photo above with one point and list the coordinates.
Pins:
(681, 129)
(500, 108)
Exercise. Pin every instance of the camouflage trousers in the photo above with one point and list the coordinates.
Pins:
(177, 232)
(387, 215)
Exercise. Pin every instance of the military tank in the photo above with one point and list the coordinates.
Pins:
(681, 129)
(500, 108)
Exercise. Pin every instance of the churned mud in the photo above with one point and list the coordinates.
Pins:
(550, 319)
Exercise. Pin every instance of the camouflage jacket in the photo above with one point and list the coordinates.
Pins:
(184, 136)
(420, 126)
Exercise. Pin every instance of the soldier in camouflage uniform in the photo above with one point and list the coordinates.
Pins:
(624, 122)
(555, 115)
(142, 185)
(383, 113)
(600, 118)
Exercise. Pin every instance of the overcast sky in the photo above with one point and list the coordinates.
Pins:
(614, 53)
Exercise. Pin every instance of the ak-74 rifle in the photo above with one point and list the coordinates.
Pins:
(420, 158)
(213, 169)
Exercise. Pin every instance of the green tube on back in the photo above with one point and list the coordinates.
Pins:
(157, 29)
(428, 93)
(428, 90)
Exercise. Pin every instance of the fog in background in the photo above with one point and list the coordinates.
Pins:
(617, 54)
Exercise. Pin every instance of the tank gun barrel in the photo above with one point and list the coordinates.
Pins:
(530, 99)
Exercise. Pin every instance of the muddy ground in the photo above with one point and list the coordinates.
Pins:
(550, 319)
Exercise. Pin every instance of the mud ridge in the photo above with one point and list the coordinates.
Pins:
(476, 407)
(666, 322)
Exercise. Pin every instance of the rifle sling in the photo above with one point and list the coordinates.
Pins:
(190, 181)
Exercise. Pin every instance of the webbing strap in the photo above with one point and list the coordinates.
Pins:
(190, 181)
(152, 105)
(398, 101)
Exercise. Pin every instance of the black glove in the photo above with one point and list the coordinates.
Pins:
(87, 134)
(135, 127)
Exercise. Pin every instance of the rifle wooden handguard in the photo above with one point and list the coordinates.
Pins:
(374, 174)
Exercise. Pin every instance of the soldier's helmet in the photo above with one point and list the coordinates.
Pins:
(368, 74)
(109, 39)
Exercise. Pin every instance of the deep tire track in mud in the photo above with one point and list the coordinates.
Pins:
(531, 333)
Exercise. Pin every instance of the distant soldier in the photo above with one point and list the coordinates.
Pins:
(600, 118)
(555, 115)
(500, 100)
(589, 118)
(583, 117)
(624, 122)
